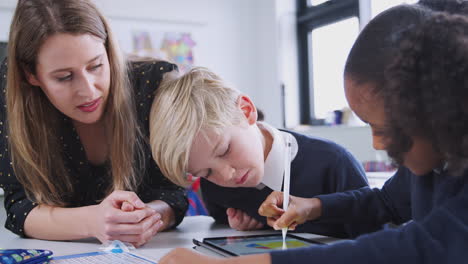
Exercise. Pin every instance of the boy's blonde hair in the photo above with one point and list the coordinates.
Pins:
(184, 106)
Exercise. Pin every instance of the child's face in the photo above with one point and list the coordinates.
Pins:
(234, 158)
(420, 159)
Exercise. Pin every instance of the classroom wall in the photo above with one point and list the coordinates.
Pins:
(250, 43)
(235, 38)
(5, 18)
(358, 140)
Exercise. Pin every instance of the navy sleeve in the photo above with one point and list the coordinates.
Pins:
(366, 209)
(347, 173)
(17, 205)
(441, 237)
(214, 209)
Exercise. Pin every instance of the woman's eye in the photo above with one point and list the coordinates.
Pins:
(64, 78)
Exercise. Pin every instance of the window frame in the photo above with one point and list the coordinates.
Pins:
(308, 19)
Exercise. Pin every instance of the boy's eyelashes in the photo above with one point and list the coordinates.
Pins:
(226, 151)
(95, 67)
(209, 171)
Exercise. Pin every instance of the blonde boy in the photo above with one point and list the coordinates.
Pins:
(203, 127)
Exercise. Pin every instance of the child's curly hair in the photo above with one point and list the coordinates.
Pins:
(426, 93)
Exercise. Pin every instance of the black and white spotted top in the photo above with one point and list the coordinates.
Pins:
(90, 181)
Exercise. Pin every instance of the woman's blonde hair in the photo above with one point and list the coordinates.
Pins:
(182, 108)
(33, 122)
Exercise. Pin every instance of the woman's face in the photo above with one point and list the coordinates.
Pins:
(420, 159)
(73, 71)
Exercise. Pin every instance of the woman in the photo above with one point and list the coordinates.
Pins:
(74, 128)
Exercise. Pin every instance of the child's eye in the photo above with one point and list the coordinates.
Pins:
(227, 151)
(95, 67)
(378, 133)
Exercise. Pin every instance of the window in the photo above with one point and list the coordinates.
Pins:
(378, 6)
(326, 32)
(315, 2)
(328, 60)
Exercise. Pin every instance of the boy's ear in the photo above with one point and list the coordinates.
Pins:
(31, 78)
(248, 109)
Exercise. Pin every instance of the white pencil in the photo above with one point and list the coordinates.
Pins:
(287, 175)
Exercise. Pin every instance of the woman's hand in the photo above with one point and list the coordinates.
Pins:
(123, 216)
(299, 210)
(241, 221)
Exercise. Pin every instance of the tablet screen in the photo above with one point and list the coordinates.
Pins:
(246, 245)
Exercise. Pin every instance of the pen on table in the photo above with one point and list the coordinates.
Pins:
(287, 175)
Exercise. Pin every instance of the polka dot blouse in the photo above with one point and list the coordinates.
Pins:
(91, 181)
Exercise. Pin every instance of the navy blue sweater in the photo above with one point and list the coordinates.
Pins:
(437, 204)
(320, 167)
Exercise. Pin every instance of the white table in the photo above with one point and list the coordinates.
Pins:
(191, 227)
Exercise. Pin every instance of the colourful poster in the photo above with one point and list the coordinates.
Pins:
(176, 47)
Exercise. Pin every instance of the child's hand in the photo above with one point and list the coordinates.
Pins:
(184, 255)
(299, 210)
(242, 221)
(123, 216)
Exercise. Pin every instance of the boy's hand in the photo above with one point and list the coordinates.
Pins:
(299, 210)
(242, 221)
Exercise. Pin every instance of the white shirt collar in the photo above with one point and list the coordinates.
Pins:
(274, 163)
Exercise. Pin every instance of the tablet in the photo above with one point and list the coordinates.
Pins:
(253, 244)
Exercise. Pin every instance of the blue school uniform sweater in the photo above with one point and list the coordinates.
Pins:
(436, 206)
(320, 167)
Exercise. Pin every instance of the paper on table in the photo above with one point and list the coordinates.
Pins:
(113, 252)
(102, 258)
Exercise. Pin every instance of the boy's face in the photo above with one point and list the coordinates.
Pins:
(232, 158)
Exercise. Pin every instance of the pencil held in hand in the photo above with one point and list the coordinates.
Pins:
(287, 176)
(299, 210)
